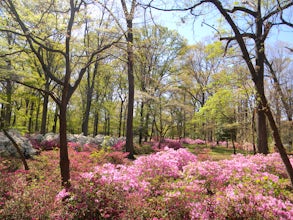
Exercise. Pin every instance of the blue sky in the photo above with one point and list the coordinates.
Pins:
(195, 31)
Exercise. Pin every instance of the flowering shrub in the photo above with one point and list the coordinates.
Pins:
(30, 194)
(41, 144)
(175, 185)
(170, 184)
(107, 156)
(36, 143)
(50, 144)
(119, 146)
(75, 145)
(170, 143)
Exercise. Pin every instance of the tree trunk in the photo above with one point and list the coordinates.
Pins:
(96, 124)
(153, 129)
(184, 118)
(86, 114)
(146, 126)
(2, 116)
(105, 123)
(37, 114)
(45, 108)
(109, 125)
(27, 102)
(233, 144)
(141, 125)
(129, 125)
(64, 160)
(96, 118)
(120, 118)
(90, 91)
(278, 141)
(8, 108)
(54, 129)
(124, 123)
(262, 137)
(256, 70)
(30, 121)
(253, 131)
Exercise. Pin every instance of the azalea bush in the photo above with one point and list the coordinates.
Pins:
(169, 184)
(176, 185)
(30, 194)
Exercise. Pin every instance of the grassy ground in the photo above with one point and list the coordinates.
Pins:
(214, 153)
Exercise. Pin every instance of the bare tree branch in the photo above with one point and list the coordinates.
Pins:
(290, 49)
(12, 53)
(242, 9)
(172, 9)
(278, 10)
(287, 107)
(281, 17)
(42, 91)
(91, 60)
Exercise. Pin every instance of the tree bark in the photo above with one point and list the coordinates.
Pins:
(278, 141)
(37, 114)
(146, 126)
(8, 108)
(96, 118)
(130, 64)
(45, 108)
(262, 137)
(54, 128)
(90, 91)
(64, 159)
(141, 125)
(120, 118)
(31, 114)
(85, 121)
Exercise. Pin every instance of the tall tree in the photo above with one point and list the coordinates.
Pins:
(75, 64)
(263, 16)
(129, 16)
(94, 37)
(157, 51)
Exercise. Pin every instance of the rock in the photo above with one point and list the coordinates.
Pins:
(50, 137)
(7, 148)
(99, 139)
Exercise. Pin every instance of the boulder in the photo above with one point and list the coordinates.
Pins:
(7, 148)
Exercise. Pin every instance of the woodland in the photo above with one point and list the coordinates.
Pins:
(188, 131)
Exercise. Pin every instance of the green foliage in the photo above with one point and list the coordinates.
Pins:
(144, 149)
(219, 107)
(214, 50)
(99, 155)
